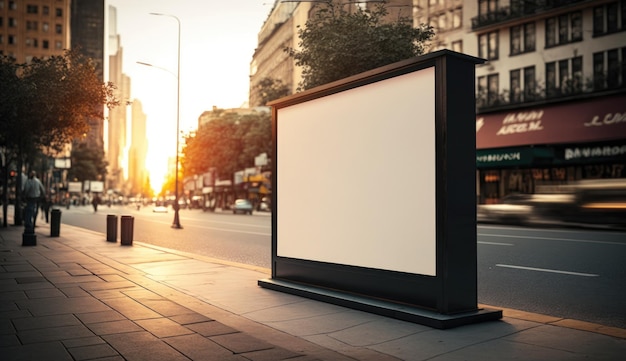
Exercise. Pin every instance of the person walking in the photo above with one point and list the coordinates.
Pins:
(33, 193)
(95, 201)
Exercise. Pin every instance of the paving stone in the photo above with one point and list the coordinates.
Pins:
(140, 346)
(12, 296)
(92, 352)
(211, 328)
(9, 340)
(274, 354)
(57, 306)
(197, 347)
(45, 293)
(83, 341)
(61, 281)
(103, 285)
(241, 343)
(38, 352)
(79, 272)
(104, 316)
(6, 327)
(24, 267)
(163, 327)
(33, 279)
(32, 323)
(53, 334)
(105, 294)
(74, 291)
(130, 308)
(108, 328)
(165, 307)
(190, 318)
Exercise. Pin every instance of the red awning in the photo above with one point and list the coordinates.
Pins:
(575, 122)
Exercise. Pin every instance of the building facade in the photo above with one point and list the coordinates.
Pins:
(34, 28)
(138, 150)
(550, 97)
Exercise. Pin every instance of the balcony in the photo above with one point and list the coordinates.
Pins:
(519, 9)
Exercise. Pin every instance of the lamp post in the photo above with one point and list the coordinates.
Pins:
(176, 223)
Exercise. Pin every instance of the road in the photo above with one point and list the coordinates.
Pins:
(570, 273)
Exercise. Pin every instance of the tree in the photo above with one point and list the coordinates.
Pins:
(336, 43)
(270, 89)
(229, 143)
(50, 101)
(88, 163)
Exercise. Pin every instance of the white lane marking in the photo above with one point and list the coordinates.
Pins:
(551, 239)
(495, 243)
(217, 229)
(548, 270)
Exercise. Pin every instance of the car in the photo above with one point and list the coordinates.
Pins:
(512, 209)
(242, 206)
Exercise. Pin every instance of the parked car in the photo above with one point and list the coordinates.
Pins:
(242, 206)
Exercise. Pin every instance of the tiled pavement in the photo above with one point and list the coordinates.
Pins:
(78, 297)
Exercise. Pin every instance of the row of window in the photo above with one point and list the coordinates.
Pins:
(33, 9)
(33, 25)
(31, 42)
(562, 78)
(559, 30)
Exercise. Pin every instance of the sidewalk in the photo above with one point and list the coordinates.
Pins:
(78, 297)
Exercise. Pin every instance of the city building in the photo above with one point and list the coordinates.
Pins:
(550, 96)
(137, 174)
(116, 134)
(87, 35)
(34, 28)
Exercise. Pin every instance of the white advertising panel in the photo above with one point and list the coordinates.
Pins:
(97, 186)
(75, 187)
(356, 176)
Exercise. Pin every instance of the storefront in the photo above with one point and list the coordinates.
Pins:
(545, 149)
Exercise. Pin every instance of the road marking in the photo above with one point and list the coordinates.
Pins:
(495, 243)
(551, 239)
(548, 270)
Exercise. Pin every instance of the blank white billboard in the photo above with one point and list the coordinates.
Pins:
(356, 176)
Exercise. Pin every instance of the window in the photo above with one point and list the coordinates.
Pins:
(12, 22)
(31, 25)
(59, 12)
(457, 46)
(609, 69)
(564, 29)
(516, 86)
(12, 5)
(488, 46)
(45, 27)
(487, 7)
(1, 38)
(58, 28)
(12, 39)
(523, 85)
(488, 87)
(530, 84)
(564, 77)
(457, 18)
(35, 43)
(32, 9)
(45, 44)
(45, 10)
(522, 38)
(609, 18)
(58, 45)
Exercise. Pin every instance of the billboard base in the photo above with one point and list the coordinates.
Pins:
(381, 307)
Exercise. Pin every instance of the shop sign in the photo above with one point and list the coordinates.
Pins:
(511, 157)
(596, 120)
(584, 153)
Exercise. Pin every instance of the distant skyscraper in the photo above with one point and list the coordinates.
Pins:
(87, 35)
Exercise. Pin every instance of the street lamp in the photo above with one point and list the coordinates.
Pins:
(176, 223)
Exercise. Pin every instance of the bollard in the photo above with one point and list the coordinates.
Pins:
(126, 234)
(55, 222)
(111, 228)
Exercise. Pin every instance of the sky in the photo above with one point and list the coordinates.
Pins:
(217, 41)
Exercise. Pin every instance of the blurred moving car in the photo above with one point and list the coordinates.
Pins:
(242, 206)
(159, 207)
(513, 208)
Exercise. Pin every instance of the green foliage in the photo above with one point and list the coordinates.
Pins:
(336, 43)
(50, 101)
(229, 143)
(271, 89)
(87, 163)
